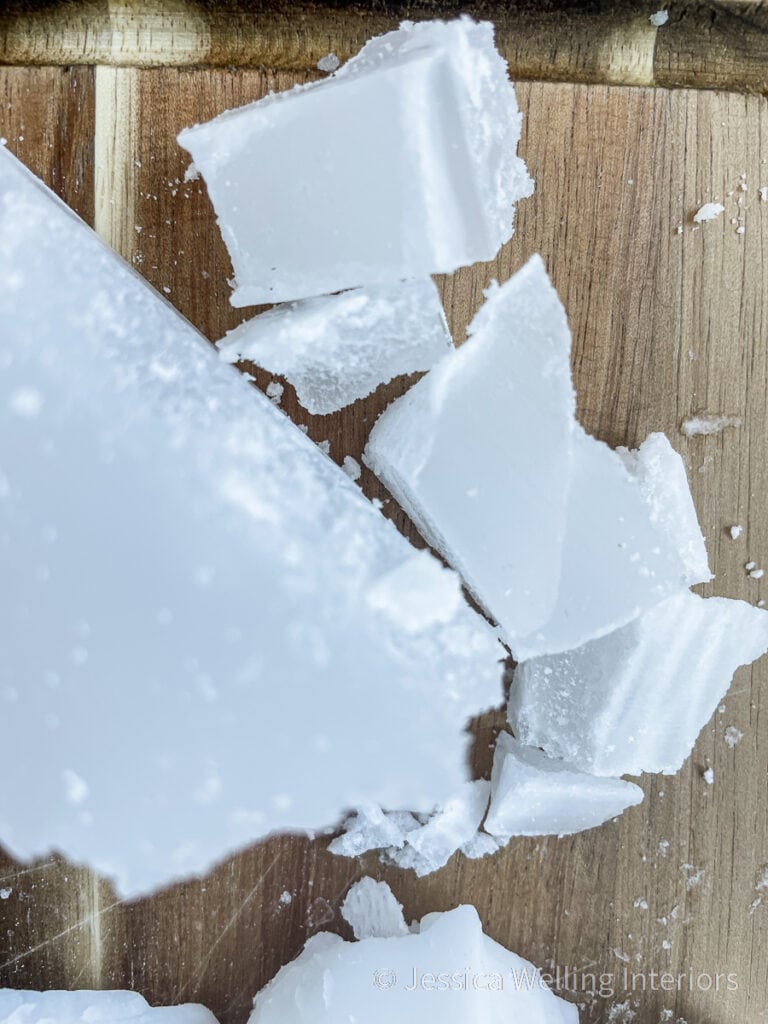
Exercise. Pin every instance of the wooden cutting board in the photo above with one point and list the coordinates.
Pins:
(669, 319)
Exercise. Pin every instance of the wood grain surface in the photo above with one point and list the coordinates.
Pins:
(669, 319)
(712, 44)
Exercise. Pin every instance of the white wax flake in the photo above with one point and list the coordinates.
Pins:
(707, 423)
(749, 566)
(21, 1006)
(635, 700)
(329, 63)
(351, 467)
(286, 898)
(371, 828)
(756, 574)
(274, 391)
(659, 18)
(709, 776)
(733, 736)
(534, 795)
(693, 876)
(735, 532)
(339, 348)
(371, 910)
(709, 211)
(445, 965)
(408, 189)
(641, 903)
(193, 470)
(5, 894)
(191, 173)
(450, 433)
(763, 193)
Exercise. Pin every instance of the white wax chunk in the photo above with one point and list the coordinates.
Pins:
(635, 700)
(536, 795)
(479, 451)
(371, 910)
(632, 540)
(428, 848)
(401, 165)
(338, 348)
(371, 828)
(22, 1006)
(446, 966)
(195, 646)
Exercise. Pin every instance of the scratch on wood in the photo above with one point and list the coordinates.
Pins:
(114, 143)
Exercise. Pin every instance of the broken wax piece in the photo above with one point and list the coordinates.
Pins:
(22, 1006)
(402, 165)
(709, 211)
(632, 540)
(398, 977)
(371, 828)
(339, 348)
(635, 700)
(536, 795)
(371, 911)
(478, 452)
(212, 588)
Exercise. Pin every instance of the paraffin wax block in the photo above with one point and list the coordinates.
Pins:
(446, 963)
(372, 911)
(201, 632)
(21, 1006)
(632, 540)
(338, 348)
(635, 700)
(401, 165)
(479, 451)
(536, 795)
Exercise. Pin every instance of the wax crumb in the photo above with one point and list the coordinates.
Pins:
(708, 423)
(275, 391)
(708, 776)
(749, 566)
(764, 193)
(329, 63)
(740, 229)
(351, 467)
(709, 211)
(659, 18)
(191, 173)
(5, 893)
(757, 574)
(735, 532)
(663, 847)
(693, 876)
(166, 289)
(732, 736)
(285, 898)
(325, 447)
(641, 904)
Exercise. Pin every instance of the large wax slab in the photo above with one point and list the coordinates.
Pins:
(401, 165)
(536, 795)
(208, 633)
(22, 1006)
(337, 348)
(635, 701)
(446, 965)
(479, 451)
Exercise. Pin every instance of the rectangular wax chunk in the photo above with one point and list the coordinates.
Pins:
(536, 795)
(635, 700)
(203, 631)
(479, 451)
(22, 1006)
(338, 348)
(402, 164)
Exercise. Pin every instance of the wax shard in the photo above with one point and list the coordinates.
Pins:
(632, 540)
(535, 795)
(197, 592)
(636, 700)
(371, 910)
(401, 165)
(479, 451)
(339, 348)
(21, 1006)
(447, 959)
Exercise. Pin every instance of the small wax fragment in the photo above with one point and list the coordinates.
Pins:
(445, 965)
(479, 451)
(635, 700)
(535, 795)
(709, 211)
(22, 1006)
(339, 348)
(630, 519)
(749, 566)
(401, 165)
(429, 847)
(709, 776)
(329, 63)
(708, 423)
(659, 18)
(372, 912)
(213, 589)
(764, 193)
(756, 574)
(371, 828)
(735, 532)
